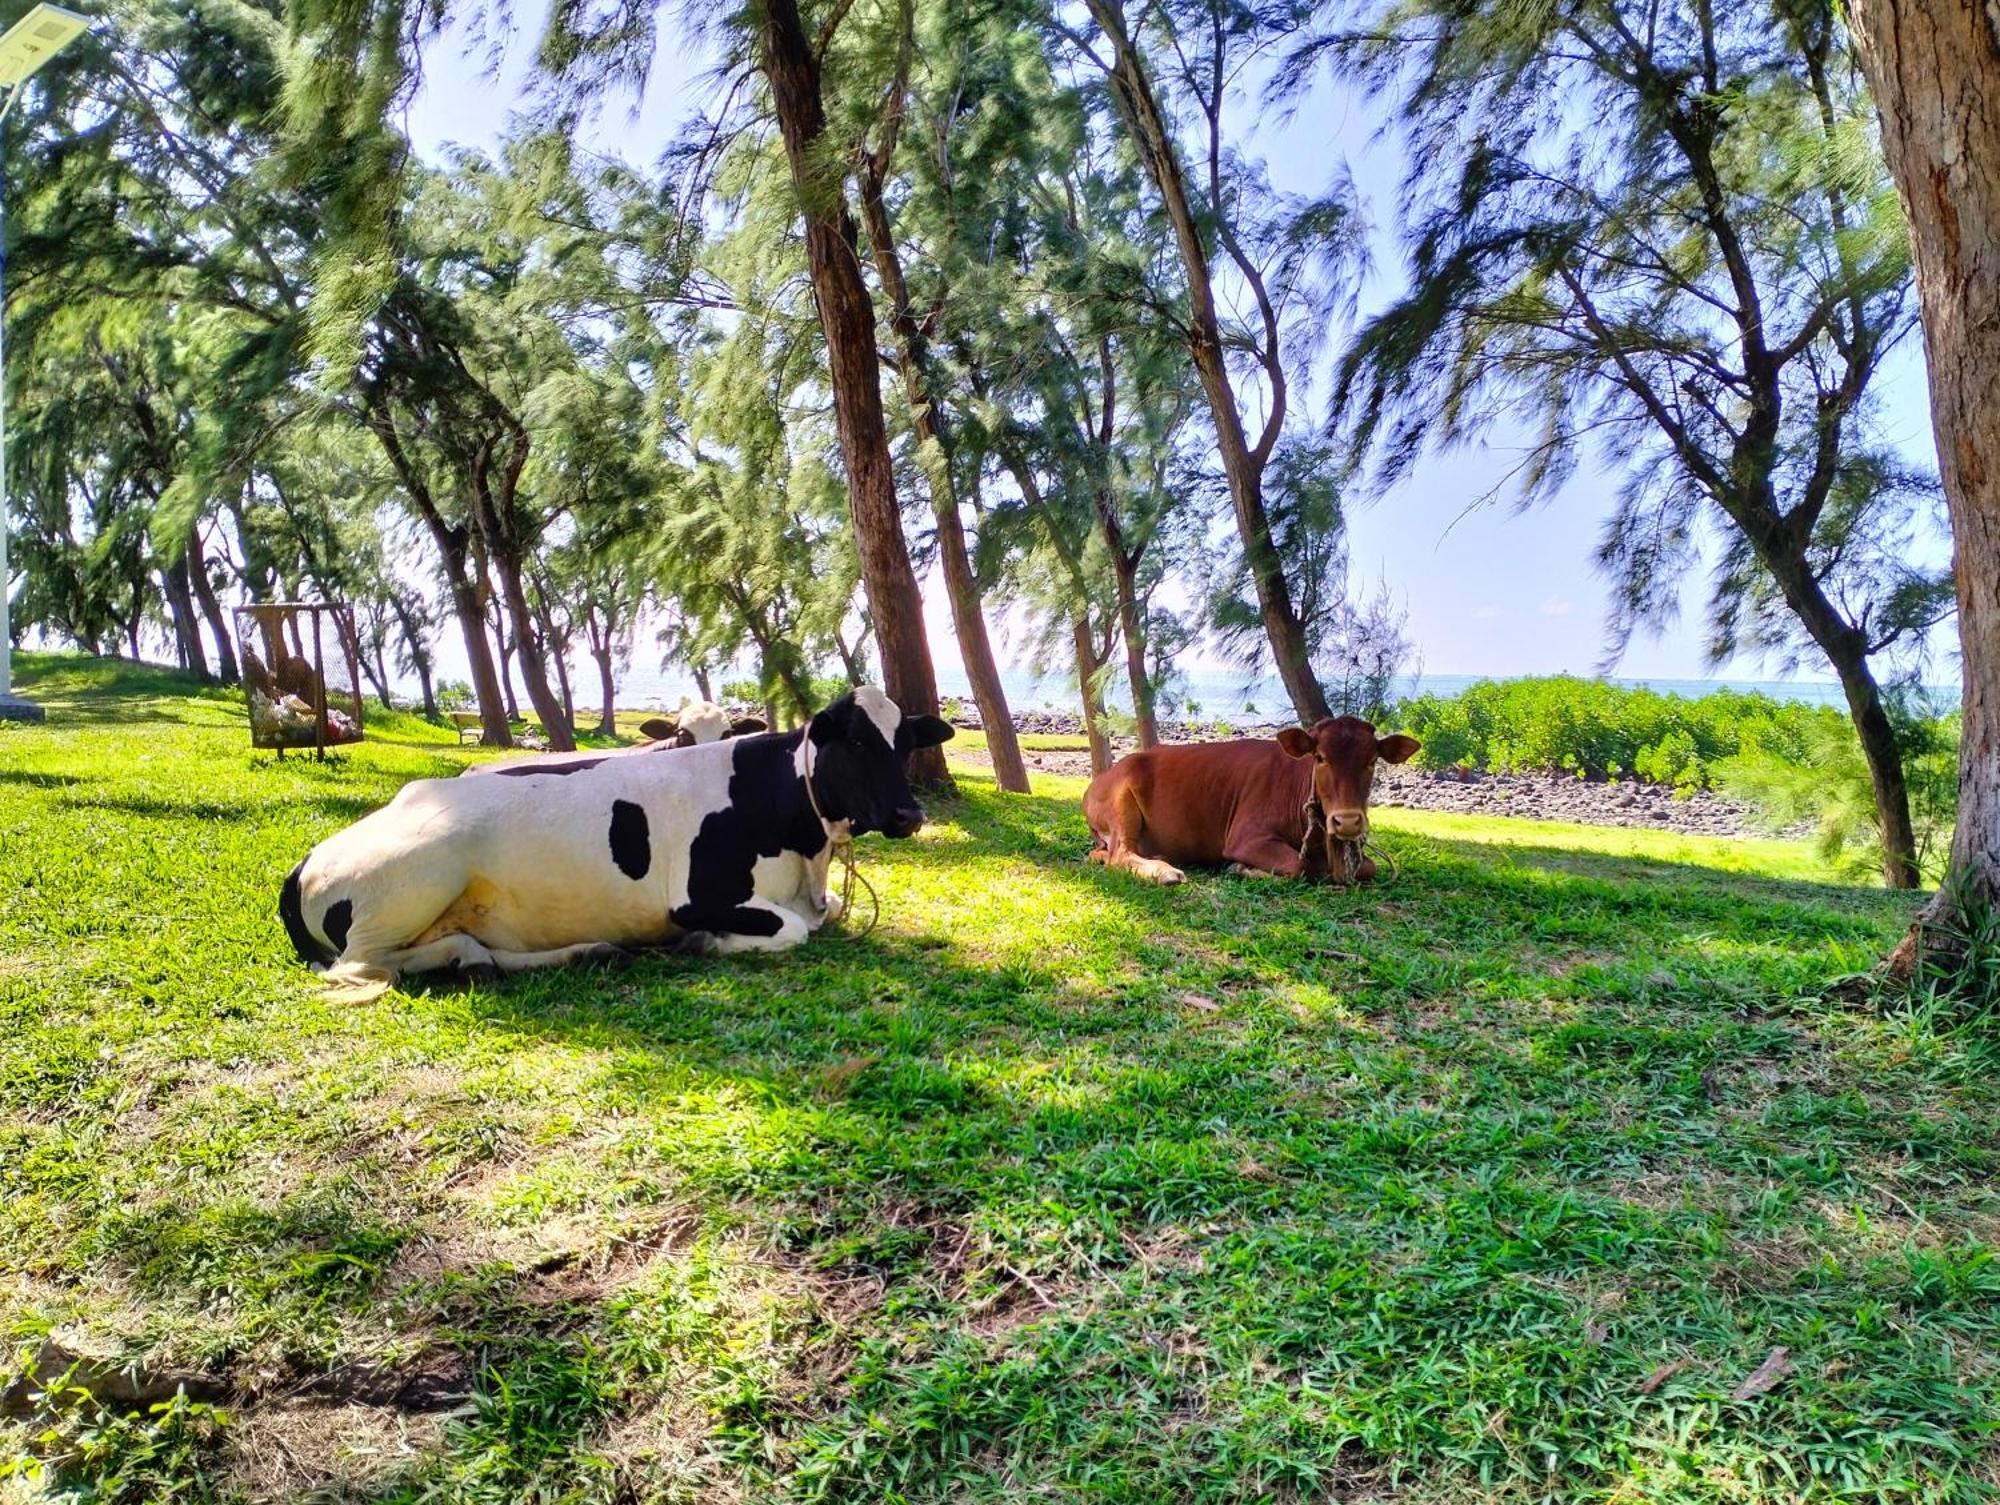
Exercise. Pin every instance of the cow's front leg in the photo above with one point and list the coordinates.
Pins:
(1263, 854)
(754, 925)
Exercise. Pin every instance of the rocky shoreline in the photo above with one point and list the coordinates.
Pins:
(1528, 796)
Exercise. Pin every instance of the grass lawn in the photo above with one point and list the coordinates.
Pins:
(1499, 1183)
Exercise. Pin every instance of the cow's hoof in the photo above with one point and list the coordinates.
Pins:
(692, 943)
(604, 954)
(481, 973)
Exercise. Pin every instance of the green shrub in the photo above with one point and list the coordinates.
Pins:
(1601, 730)
(1813, 773)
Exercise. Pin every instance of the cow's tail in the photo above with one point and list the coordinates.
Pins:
(313, 951)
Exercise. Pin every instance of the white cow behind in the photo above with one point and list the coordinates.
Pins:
(695, 724)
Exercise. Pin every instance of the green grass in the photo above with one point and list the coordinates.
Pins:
(1056, 1185)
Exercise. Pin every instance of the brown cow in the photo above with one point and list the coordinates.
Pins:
(1244, 803)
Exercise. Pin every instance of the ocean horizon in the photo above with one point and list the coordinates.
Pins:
(1223, 695)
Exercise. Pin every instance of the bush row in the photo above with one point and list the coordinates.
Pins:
(1601, 730)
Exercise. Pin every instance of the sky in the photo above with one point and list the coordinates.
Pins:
(1489, 590)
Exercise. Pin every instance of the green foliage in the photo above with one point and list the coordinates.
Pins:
(1810, 771)
(1600, 730)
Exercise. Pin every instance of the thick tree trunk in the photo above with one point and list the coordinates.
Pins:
(1087, 665)
(847, 318)
(706, 686)
(968, 612)
(1242, 466)
(530, 650)
(494, 723)
(211, 608)
(1935, 72)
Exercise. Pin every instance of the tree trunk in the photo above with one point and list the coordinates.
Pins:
(180, 603)
(561, 661)
(503, 646)
(378, 674)
(847, 318)
(529, 649)
(1087, 665)
(1132, 628)
(1242, 466)
(968, 614)
(1935, 72)
(496, 729)
(211, 608)
(707, 687)
(454, 551)
(420, 655)
(608, 727)
(1885, 773)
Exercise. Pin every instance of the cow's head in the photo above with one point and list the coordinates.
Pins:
(697, 722)
(1344, 750)
(858, 747)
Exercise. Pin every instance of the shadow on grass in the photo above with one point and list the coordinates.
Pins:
(1008, 1130)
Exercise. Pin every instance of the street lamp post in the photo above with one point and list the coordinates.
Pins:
(28, 43)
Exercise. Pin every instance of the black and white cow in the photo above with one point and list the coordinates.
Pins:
(723, 847)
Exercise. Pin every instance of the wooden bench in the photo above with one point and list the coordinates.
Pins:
(467, 721)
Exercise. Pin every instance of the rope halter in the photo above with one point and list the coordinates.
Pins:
(842, 844)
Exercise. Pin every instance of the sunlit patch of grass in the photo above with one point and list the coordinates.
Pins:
(1053, 1183)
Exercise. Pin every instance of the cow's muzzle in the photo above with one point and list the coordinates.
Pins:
(905, 822)
(1347, 825)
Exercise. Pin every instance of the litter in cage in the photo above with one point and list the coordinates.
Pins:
(302, 673)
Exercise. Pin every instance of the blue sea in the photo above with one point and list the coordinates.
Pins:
(1220, 695)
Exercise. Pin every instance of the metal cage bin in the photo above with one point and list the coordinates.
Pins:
(301, 673)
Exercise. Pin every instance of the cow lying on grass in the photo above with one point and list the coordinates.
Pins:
(1296, 805)
(724, 847)
(697, 723)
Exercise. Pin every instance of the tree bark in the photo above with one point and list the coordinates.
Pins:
(1124, 574)
(1087, 665)
(180, 604)
(847, 318)
(608, 726)
(1935, 72)
(454, 555)
(420, 654)
(211, 608)
(1242, 466)
(968, 612)
(493, 513)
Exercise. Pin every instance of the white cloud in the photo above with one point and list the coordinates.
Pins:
(1485, 613)
(1556, 606)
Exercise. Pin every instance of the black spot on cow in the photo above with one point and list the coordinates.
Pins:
(291, 909)
(338, 921)
(767, 813)
(631, 840)
(525, 770)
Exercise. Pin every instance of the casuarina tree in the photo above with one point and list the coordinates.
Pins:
(1935, 71)
(1660, 237)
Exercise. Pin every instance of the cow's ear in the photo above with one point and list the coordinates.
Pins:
(923, 731)
(683, 738)
(1397, 748)
(658, 728)
(747, 726)
(1297, 741)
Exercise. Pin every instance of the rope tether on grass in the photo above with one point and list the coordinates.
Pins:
(843, 853)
